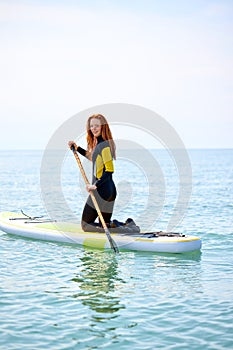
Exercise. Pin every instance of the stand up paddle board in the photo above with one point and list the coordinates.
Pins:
(65, 232)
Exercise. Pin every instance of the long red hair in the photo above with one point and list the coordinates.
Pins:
(105, 133)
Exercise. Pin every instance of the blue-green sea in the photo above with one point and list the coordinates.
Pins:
(58, 296)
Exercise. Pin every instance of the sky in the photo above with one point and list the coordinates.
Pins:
(58, 58)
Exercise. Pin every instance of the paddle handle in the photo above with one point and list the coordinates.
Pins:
(80, 166)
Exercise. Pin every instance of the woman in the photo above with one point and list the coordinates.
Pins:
(101, 151)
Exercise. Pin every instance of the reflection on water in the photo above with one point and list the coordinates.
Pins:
(97, 278)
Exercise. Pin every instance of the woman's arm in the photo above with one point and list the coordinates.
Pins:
(108, 166)
(80, 150)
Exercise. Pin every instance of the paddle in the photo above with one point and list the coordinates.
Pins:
(111, 241)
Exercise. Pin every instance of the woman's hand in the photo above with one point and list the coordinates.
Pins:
(90, 188)
(71, 144)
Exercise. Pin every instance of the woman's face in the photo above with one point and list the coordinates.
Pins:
(95, 127)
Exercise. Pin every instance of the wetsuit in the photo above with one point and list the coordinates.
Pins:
(106, 191)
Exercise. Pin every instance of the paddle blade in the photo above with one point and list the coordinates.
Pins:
(111, 241)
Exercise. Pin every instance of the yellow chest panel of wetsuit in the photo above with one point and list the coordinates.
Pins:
(103, 162)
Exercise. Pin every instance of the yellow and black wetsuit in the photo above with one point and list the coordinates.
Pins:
(102, 177)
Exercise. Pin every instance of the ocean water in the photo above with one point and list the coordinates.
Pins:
(66, 297)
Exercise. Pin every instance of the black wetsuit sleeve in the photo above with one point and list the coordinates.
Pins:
(107, 175)
(82, 151)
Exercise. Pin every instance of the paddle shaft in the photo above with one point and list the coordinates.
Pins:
(111, 241)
